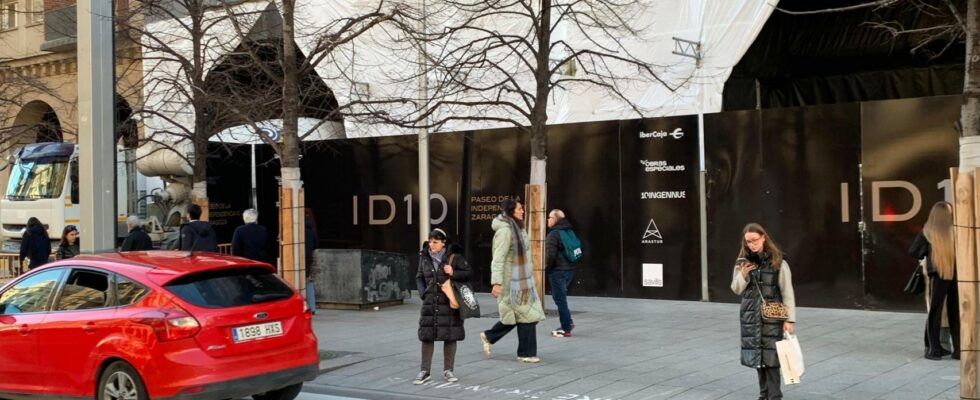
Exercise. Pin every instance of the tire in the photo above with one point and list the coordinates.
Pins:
(287, 393)
(120, 382)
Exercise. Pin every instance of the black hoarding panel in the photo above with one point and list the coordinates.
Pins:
(583, 181)
(660, 234)
(499, 169)
(364, 193)
(229, 189)
(908, 147)
(784, 169)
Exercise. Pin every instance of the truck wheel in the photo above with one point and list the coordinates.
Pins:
(287, 393)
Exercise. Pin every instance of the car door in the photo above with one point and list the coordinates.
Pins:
(23, 308)
(80, 318)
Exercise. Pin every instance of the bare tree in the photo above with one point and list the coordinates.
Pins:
(182, 42)
(291, 88)
(500, 61)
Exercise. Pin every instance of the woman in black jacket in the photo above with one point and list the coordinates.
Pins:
(438, 262)
(69, 246)
(935, 244)
(35, 244)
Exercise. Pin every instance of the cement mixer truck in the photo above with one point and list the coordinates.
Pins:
(44, 183)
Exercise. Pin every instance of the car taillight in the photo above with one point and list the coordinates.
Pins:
(169, 324)
(306, 311)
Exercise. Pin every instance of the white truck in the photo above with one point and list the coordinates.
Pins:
(44, 183)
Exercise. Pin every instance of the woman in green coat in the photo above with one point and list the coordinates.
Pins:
(513, 284)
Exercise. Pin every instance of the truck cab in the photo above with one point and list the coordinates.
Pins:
(44, 184)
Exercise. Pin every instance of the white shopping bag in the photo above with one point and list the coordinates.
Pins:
(790, 359)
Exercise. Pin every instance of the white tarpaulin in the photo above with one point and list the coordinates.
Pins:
(374, 66)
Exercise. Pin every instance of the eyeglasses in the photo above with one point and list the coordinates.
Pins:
(754, 241)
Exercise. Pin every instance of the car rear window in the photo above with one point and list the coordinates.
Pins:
(230, 287)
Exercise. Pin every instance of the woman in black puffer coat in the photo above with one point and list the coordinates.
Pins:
(439, 261)
(761, 267)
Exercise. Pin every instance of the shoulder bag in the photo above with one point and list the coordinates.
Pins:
(772, 310)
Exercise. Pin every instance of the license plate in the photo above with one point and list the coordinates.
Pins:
(258, 331)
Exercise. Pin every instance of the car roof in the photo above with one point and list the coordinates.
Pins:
(164, 265)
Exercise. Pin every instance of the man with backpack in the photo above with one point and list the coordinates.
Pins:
(562, 250)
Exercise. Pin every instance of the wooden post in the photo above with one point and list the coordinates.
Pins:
(536, 218)
(292, 249)
(965, 214)
(204, 204)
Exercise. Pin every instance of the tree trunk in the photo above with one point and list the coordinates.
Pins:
(202, 126)
(964, 195)
(537, 203)
(292, 231)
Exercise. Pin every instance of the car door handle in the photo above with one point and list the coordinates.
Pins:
(89, 327)
(24, 329)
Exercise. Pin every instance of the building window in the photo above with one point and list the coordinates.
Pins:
(36, 15)
(8, 15)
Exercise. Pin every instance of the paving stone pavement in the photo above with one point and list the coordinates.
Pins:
(630, 349)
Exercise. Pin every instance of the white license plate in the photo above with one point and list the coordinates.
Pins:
(258, 331)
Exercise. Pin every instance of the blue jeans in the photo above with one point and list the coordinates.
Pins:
(560, 279)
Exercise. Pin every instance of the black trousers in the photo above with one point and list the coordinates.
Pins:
(527, 341)
(448, 355)
(943, 291)
(769, 381)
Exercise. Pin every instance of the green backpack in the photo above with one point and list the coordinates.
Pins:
(571, 246)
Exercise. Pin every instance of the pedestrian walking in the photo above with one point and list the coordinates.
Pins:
(35, 244)
(935, 244)
(68, 247)
(137, 240)
(761, 271)
(251, 240)
(439, 261)
(197, 235)
(513, 284)
(312, 239)
(561, 270)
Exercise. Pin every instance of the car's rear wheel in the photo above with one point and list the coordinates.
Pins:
(287, 393)
(121, 382)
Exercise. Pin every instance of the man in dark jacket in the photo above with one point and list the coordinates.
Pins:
(250, 240)
(137, 240)
(197, 235)
(560, 271)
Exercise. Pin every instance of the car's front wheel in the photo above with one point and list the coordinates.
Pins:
(121, 382)
(287, 393)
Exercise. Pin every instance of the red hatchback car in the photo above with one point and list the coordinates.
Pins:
(157, 324)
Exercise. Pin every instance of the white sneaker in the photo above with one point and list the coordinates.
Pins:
(486, 343)
(421, 378)
(530, 360)
(450, 377)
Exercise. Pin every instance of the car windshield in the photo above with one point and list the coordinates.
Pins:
(31, 180)
(230, 287)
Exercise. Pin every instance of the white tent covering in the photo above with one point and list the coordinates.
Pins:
(724, 28)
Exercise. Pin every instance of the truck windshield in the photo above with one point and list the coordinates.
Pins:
(30, 180)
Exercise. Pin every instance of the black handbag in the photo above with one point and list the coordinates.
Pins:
(917, 283)
(469, 307)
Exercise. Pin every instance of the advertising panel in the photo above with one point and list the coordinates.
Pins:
(660, 234)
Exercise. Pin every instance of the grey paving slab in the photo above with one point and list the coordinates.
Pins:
(628, 349)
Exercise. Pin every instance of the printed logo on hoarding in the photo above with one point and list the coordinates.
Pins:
(661, 166)
(653, 275)
(652, 234)
(667, 194)
(676, 134)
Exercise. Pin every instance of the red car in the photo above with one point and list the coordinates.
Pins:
(159, 324)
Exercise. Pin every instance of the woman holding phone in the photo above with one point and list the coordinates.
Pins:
(760, 271)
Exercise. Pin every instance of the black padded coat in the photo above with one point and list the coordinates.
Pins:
(438, 322)
(759, 337)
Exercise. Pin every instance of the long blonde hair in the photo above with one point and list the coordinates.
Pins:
(938, 230)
